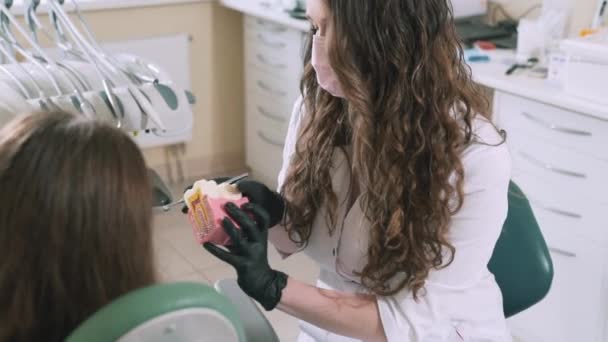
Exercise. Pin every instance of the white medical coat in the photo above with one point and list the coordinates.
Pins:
(461, 302)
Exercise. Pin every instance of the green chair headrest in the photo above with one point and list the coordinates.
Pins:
(128, 312)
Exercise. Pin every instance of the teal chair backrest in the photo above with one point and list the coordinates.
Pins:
(521, 261)
(180, 312)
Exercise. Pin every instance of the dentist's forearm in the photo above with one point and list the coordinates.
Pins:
(350, 315)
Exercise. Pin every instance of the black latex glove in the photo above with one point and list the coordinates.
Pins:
(272, 202)
(219, 180)
(249, 254)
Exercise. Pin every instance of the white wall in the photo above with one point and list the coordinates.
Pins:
(580, 17)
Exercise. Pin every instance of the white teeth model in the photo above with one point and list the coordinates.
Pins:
(213, 190)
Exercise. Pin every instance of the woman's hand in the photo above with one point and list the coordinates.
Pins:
(351, 315)
(272, 202)
(249, 254)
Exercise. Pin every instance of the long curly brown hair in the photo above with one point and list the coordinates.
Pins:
(408, 113)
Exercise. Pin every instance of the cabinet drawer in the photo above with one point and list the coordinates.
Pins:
(282, 59)
(265, 160)
(566, 215)
(277, 32)
(267, 111)
(575, 308)
(263, 108)
(264, 151)
(276, 89)
(574, 174)
(523, 118)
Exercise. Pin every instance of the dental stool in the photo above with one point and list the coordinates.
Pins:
(180, 312)
(521, 262)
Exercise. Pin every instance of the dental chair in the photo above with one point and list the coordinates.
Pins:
(180, 312)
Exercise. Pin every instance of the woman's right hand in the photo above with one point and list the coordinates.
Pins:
(269, 200)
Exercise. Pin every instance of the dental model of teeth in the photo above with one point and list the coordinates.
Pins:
(206, 201)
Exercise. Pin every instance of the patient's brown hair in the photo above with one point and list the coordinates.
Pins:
(75, 223)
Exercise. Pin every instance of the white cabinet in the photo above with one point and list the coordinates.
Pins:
(560, 162)
(273, 66)
(575, 309)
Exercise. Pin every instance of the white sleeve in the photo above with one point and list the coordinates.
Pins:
(278, 236)
(463, 288)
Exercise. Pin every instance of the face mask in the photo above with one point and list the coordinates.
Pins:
(326, 76)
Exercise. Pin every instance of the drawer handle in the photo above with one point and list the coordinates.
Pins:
(269, 89)
(271, 27)
(267, 42)
(556, 128)
(263, 60)
(562, 252)
(265, 113)
(551, 168)
(555, 210)
(270, 141)
(563, 213)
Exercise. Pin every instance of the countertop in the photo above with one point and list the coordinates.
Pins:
(91, 5)
(261, 10)
(490, 74)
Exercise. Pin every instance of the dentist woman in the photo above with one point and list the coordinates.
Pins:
(393, 181)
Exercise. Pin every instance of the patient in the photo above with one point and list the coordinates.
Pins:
(75, 223)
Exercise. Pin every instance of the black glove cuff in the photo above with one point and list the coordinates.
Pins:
(274, 291)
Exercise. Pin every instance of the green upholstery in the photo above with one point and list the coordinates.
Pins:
(130, 311)
(521, 261)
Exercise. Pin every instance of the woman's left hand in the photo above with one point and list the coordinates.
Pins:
(248, 254)
(349, 314)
